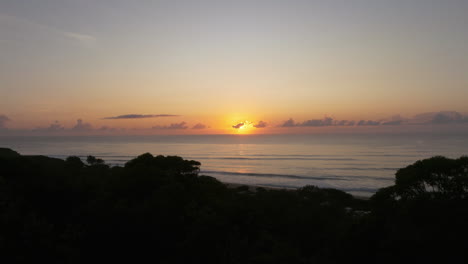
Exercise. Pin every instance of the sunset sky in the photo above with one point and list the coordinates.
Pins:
(208, 67)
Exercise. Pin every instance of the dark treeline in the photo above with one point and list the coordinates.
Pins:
(158, 209)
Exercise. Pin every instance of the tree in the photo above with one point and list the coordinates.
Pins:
(174, 164)
(94, 161)
(74, 162)
(74, 165)
(434, 178)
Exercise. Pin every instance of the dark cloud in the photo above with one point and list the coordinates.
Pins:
(81, 126)
(238, 126)
(341, 122)
(392, 123)
(199, 126)
(443, 117)
(288, 123)
(327, 121)
(56, 126)
(260, 124)
(3, 120)
(181, 125)
(136, 116)
(368, 123)
(344, 123)
(448, 117)
(109, 129)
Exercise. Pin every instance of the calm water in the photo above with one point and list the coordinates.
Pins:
(359, 164)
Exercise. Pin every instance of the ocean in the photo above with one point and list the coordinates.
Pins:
(358, 164)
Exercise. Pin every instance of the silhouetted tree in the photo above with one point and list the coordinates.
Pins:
(434, 178)
(174, 164)
(423, 212)
(157, 208)
(74, 162)
(8, 153)
(91, 160)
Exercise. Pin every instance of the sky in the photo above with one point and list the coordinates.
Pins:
(245, 66)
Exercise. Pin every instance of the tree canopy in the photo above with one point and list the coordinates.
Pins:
(434, 178)
(159, 209)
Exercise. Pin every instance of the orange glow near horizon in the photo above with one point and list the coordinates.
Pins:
(244, 127)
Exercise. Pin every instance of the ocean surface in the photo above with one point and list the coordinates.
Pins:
(358, 164)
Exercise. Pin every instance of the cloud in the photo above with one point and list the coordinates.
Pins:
(392, 123)
(3, 120)
(29, 30)
(448, 117)
(368, 123)
(106, 128)
(199, 126)
(181, 125)
(260, 124)
(327, 121)
(81, 126)
(341, 122)
(137, 116)
(288, 123)
(344, 123)
(56, 126)
(442, 117)
(84, 39)
(238, 126)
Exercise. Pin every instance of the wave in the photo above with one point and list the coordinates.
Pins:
(358, 189)
(360, 169)
(119, 160)
(125, 158)
(296, 158)
(291, 176)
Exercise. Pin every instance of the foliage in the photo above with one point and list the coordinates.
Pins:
(91, 160)
(425, 210)
(158, 209)
(8, 153)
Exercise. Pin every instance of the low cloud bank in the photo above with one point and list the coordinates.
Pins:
(260, 124)
(181, 125)
(199, 126)
(138, 116)
(3, 120)
(82, 126)
(327, 121)
(56, 126)
(443, 117)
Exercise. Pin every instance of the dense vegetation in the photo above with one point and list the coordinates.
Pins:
(159, 210)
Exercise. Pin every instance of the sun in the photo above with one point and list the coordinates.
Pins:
(243, 127)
